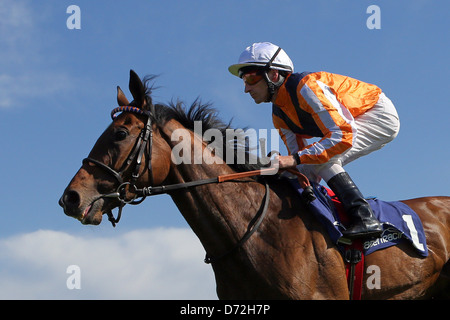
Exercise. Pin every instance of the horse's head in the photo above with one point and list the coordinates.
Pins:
(120, 159)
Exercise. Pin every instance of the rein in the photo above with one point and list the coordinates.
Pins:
(145, 142)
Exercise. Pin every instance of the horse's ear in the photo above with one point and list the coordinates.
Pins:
(121, 99)
(137, 89)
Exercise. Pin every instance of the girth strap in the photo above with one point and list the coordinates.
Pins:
(354, 267)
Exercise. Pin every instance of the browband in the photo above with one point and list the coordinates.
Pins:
(128, 109)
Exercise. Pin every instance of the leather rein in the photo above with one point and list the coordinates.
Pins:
(144, 145)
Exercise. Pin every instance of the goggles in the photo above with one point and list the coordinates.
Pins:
(252, 77)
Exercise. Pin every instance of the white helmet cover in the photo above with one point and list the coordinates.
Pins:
(259, 54)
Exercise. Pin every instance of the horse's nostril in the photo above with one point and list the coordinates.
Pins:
(61, 202)
(71, 199)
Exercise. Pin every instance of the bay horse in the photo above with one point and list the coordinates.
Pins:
(290, 256)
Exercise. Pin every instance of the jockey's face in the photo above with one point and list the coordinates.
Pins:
(259, 90)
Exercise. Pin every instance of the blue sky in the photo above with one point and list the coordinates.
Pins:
(58, 86)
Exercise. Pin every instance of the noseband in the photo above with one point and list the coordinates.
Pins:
(143, 144)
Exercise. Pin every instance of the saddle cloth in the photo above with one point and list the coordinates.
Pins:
(400, 222)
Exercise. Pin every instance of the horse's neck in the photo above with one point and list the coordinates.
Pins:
(218, 213)
(287, 242)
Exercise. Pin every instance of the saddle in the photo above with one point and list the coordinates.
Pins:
(400, 223)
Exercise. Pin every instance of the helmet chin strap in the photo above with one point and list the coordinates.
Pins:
(272, 86)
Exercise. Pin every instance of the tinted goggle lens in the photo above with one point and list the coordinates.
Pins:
(252, 78)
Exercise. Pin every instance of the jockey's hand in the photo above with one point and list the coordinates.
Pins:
(285, 162)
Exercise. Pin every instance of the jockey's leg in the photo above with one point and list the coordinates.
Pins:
(374, 129)
(363, 221)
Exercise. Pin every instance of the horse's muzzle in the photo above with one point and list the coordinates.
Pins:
(70, 202)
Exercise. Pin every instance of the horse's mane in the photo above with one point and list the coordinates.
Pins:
(209, 118)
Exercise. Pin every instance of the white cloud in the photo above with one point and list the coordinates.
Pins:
(25, 74)
(163, 263)
(23, 88)
(17, 15)
(18, 29)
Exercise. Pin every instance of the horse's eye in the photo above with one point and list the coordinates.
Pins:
(120, 135)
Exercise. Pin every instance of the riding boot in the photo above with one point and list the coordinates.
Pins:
(364, 223)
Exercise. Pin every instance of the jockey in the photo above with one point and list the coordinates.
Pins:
(349, 119)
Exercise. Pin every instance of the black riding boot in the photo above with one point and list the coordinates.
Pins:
(364, 224)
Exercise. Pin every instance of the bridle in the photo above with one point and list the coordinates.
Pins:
(144, 144)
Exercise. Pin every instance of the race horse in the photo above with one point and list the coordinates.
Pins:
(260, 238)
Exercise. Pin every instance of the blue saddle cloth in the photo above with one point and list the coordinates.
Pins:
(399, 221)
